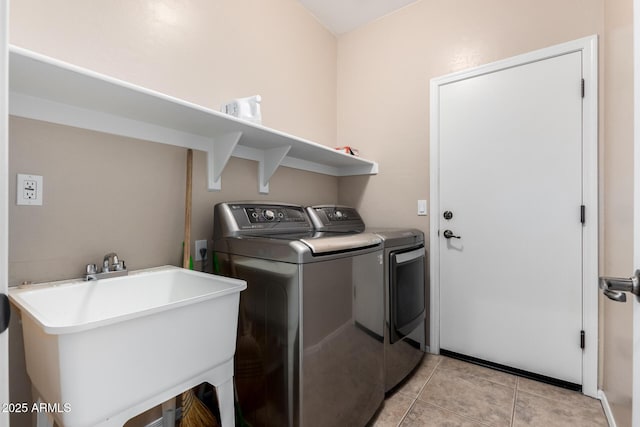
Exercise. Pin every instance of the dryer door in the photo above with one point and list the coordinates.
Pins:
(407, 291)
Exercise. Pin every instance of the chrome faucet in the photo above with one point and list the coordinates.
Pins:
(110, 263)
(111, 267)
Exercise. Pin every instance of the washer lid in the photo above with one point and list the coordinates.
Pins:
(327, 243)
(396, 236)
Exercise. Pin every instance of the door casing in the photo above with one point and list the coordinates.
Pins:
(635, 403)
(588, 46)
(4, 198)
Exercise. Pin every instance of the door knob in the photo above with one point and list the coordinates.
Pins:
(613, 287)
(615, 295)
(448, 234)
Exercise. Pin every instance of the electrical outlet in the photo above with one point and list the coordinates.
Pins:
(29, 190)
(199, 245)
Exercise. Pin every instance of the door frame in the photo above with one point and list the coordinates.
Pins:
(589, 48)
(635, 400)
(4, 198)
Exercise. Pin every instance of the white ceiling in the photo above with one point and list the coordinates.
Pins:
(342, 16)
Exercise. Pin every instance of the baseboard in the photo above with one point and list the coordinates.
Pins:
(607, 409)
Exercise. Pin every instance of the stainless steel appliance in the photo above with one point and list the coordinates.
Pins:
(310, 346)
(404, 276)
(405, 314)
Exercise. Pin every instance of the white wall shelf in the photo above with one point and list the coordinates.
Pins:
(46, 89)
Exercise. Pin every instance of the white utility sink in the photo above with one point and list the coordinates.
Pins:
(110, 349)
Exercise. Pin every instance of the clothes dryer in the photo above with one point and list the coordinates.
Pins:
(405, 290)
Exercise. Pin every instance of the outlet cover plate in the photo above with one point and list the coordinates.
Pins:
(199, 245)
(29, 190)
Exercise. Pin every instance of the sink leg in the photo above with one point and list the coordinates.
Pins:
(42, 418)
(225, 402)
(168, 413)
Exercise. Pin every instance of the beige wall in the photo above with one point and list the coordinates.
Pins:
(104, 193)
(203, 51)
(617, 200)
(208, 52)
(384, 71)
(383, 108)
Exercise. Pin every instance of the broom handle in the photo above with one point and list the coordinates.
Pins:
(187, 212)
(194, 413)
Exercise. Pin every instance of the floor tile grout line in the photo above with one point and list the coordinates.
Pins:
(545, 396)
(406, 412)
(519, 385)
(423, 385)
(555, 399)
(483, 378)
(457, 414)
(420, 392)
(433, 372)
(438, 365)
(435, 368)
(515, 399)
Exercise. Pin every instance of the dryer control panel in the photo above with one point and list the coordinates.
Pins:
(335, 218)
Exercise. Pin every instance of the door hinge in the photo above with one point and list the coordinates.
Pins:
(582, 340)
(583, 214)
(5, 312)
(582, 87)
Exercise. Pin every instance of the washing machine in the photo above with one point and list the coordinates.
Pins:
(405, 290)
(310, 348)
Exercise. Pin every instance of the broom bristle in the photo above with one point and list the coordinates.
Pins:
(195, 413)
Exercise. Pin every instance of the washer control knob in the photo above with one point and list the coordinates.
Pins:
(269, 215)
(338, 214)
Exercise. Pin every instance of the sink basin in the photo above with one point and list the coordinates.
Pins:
(107, 350)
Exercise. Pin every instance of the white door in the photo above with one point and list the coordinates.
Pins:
(4, 203)
(509, 231)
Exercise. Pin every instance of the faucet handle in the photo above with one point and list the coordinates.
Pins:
(92, 269)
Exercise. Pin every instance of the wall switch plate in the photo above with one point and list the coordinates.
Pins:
(29, 190)
(199, 245)
(422, 207)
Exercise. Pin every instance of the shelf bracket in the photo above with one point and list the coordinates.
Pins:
(218, 156)
(268, 165)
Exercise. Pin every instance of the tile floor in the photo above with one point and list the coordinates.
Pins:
(448, 392)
